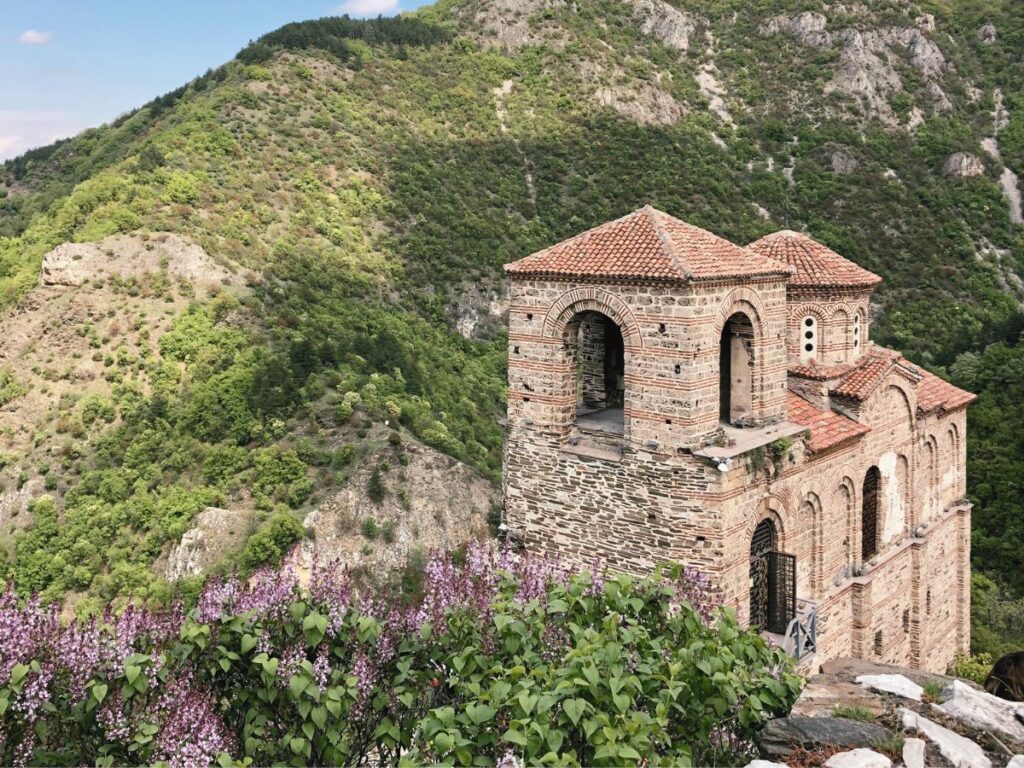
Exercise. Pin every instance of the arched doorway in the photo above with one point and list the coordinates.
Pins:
(772, 581)
(869, 514)
(736, 370)
(600, 366)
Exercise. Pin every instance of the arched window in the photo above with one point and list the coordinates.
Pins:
(596, 343)
(856, 334)
(869, 514)
(808, 339)
(736, 370)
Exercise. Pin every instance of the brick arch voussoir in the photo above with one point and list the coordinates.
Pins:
(747, 301)
(577, 300)
(772, 508)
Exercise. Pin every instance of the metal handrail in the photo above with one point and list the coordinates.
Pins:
(801, 637)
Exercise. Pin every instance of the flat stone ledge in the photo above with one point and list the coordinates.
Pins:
(591, 452)
(747, 439)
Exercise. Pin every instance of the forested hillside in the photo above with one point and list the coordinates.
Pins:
(366, 180)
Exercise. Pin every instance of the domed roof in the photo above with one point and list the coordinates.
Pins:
(816, 265)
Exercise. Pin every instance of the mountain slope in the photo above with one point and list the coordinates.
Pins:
(375, 175)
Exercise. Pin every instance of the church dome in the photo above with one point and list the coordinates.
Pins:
(815, 265)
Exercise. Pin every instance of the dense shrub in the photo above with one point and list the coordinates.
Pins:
(501, 659)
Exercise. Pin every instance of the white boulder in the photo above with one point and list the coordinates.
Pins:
(959, 750)
(984, 711)
(858, 758)
(898, 684)
(913, 753)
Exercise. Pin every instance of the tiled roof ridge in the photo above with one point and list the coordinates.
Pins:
(652, 214)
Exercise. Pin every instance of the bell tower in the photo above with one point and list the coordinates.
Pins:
(631, 346)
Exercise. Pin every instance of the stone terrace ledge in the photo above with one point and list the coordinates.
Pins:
(741, 440)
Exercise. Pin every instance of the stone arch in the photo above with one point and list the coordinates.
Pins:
(745, 300)
(894, 396)
(839, 333)
(846, 505)
(928, 477)
(953, 440)
(810, 515)
(578, 300)
(772, 508)
(813, 319)
(746, 353)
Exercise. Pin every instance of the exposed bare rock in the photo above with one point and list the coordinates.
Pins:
(14, 514)
(991, 147)
(762, 212)
(959, 750)
(432, 501)
(669, 25)
(642, 102)
(1010, 185)
(843, 162)
(987, 33)
(858, 758)
(783, 736)
(913, 753)
(926, 22)
(868, 59)
(512, 23)
(963, 165)
(808, 27)
(133, 255)
(1000, 115)
(215, 534)
(713, 91)
(480, 309)
(984, 711)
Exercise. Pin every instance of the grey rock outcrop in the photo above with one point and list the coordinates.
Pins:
(215, 534)
(963, 165)
(984, 711)
(665, 23)
(783, 735)
(987, 33)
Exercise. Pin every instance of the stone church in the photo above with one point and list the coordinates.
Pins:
(676, 397)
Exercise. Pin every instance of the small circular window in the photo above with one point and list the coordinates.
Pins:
(810, 338)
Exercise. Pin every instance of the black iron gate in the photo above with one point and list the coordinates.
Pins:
(782, 591)
(772, 582)
(761, 545)
(869, 515)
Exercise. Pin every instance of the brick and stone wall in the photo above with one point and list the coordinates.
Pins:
(650, 498)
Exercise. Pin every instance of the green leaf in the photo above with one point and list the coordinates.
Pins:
(574, 708)
(527, 702)
(99, 692)
(297, 746)
(480, 713)
(513, 736)
(319, 716)
(131, 672)
(248, 643)
(18, 672)
(629, 752)
(444, 741)
(297, 685)
(621, 702)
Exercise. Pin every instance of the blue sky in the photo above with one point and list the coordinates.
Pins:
(66, 65)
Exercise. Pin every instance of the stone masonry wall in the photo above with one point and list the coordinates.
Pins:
(653, 500)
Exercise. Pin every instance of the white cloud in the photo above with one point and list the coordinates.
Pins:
(21, 131)
(364, 8)
(33, 37)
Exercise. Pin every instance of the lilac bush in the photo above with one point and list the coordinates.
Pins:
(503, 658)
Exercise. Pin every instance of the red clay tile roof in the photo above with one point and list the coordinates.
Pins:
(862, 380)
(820, 372)
(934, 393)
(650, 245)
(828, 428)
(816, 265)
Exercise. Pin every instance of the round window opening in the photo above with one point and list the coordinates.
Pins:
(809, 335)
(809, 321)
(809, 347)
